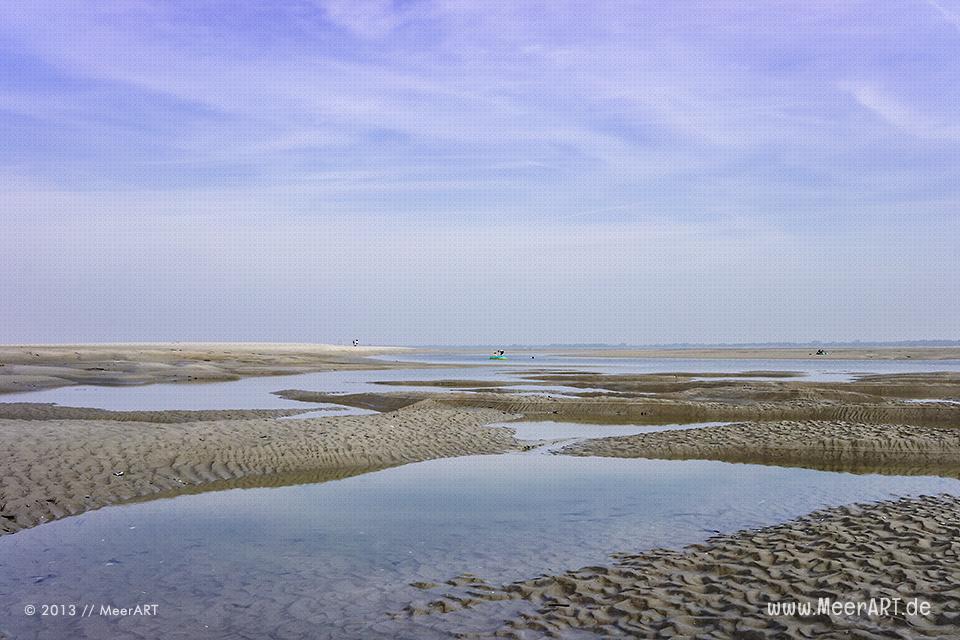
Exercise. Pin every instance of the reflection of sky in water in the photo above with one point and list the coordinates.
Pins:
(327, 560)
(812, 369)
(256, 393)
(550, 430)
(246, 393)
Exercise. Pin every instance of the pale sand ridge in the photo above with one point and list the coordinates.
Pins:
(55, 468)
(829, 445)
(651, 410)
(31, 367)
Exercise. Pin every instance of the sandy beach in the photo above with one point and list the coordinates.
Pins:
(928, 399)
(62, 460)
(652, 410)
(864, 448)
(906, 549)
(665, 291)
(32, 367)
(59, 467)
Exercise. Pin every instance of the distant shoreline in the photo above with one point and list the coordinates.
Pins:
(772, 353)
(725, 353)
(33, 367)
(836, 344)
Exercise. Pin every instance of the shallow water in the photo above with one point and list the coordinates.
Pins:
(246, 393)
(330, 559)
(550, 430)
(257, 393)
(810, 368)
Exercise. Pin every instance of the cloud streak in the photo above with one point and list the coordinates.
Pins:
(948, 15)
(902, 117)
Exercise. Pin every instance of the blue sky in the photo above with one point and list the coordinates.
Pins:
(452, 171)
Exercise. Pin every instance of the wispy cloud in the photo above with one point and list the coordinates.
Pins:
(632, 171)
(897, 114)
(366, 18)
(953, 17)
(540, 102)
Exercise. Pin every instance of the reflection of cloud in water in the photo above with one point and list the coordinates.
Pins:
(329, 559)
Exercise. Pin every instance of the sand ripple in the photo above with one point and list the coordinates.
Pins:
(55, 468)
(867, 447)
(38, 411)
(904, 549)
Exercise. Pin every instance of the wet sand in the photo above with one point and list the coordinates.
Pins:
(57, 467)
(874, 448)
(656, 410)
(32, 367)
(666, 398)
(902, 549)
(745, 387)
(865, 425)
(46, 411)
(59, 461)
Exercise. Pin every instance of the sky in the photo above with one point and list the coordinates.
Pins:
(466, 172)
